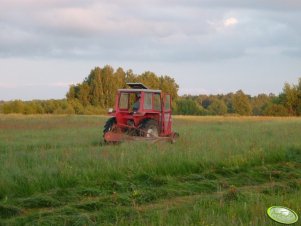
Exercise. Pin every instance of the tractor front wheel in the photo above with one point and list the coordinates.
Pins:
(150, 128)
(110, 126)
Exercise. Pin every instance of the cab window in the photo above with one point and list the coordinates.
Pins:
(157, 102)
(167, 103)
(124, 101)
(148, 101)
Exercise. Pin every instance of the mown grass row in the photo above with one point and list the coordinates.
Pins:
(28, 172)
(216, 174)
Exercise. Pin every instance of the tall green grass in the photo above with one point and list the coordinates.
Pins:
(55, 170)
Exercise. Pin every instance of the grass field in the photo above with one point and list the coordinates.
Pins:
(54, 170)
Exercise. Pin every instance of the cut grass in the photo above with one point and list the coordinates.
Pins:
(222, 171)
(9, 211)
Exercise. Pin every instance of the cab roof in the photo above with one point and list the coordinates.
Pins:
(138, 87)
(139, 90)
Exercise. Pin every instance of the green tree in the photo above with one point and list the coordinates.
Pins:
(228, 99)
(217, 107)
(100, 86)
(149, 79)
(259, 103)
(71, 93)
(120, 77)
(169, 85)
(108, 86)
(130, 76)
(16, 106)
(291, 98)
(275, 110)
(241, 103)
(96, 95)
(84, 94)
(76, 106)
(188, 107)
(203, 100)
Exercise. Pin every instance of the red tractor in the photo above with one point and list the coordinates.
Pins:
(140, 114)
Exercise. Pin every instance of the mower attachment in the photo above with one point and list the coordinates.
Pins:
(113, 137)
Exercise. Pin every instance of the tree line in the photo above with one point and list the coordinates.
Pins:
(97, 93)
(100, 87)
(287, 103)
(62, 106)
(94, 95)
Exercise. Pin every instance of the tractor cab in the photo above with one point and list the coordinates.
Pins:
(140, 112)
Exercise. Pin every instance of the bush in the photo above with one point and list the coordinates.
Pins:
(275, 110)
(93, 110)
(16, 106)
(217, 107)
(188, 107)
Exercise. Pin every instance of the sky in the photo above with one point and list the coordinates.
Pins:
(208, 46)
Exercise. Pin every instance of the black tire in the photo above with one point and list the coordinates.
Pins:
(109, 126)
(174, 138)
(150, 128)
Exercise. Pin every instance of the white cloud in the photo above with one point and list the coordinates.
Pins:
(230, 21)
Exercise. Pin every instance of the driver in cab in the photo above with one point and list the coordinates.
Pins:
(136, 105)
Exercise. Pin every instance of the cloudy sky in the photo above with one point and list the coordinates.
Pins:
(208, 46)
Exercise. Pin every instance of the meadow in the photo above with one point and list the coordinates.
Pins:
(56, 170)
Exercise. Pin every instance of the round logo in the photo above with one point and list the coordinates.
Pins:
(282, 215)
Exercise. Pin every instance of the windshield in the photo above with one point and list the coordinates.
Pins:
(129, 101)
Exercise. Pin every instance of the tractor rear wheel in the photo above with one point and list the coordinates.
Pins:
(110, 126)
(150, 128)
